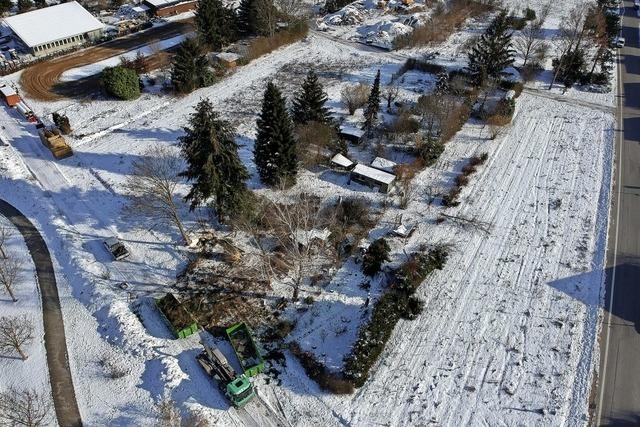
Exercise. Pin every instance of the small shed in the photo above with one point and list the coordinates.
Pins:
(10, 96)
(351, 133)
(373, 177)
(227, 59)
(384, 164)
(341, 162)
(179, 318)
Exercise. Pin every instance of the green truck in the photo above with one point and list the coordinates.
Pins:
(246, 349)
(177, 316)
(237, 388)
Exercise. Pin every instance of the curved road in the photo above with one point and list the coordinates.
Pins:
(64, 397)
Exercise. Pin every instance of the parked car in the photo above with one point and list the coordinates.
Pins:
(116, 248)
(619, 42)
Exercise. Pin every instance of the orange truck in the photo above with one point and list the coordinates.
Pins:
(9, 95)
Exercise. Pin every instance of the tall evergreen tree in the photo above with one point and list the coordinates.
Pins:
(215, 24)
(190, 67)
(373, 105)
(275, 152)
(493, 52)
(247, 16)
(213, 164)
(308, 105)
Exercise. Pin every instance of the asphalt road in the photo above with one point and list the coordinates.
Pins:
(64, 398)
(618, 393)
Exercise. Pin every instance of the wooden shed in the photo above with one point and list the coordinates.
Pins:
(373, 178)
(341, 162)
(227, 59)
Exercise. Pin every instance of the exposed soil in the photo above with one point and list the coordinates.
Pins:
(40, 81)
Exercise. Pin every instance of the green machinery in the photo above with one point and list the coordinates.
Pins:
(237, 388)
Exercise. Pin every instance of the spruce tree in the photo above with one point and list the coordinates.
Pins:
(247, 17)
(190, 67)
(373, 105)
(275, 152)
(493, 52)
(213, 164)
(215, 24)
(308, 105)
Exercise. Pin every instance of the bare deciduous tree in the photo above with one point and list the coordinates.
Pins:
(571, 35)
(391, 94)
(153, 184)
(29, 408)
(5, 234)
(354, 96)
(268, 15)
(15, 333)
(530, 41)
(10, 270)
(294, 230)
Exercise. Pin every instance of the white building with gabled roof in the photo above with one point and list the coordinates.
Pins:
(56, 28)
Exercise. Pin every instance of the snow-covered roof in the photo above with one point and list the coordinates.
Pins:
(304, 237)
(383, 164)
(53, 23)
(351, 130)
(341, 160)
(372, 173)
(162, 3)
(8, 91)
(228, 56)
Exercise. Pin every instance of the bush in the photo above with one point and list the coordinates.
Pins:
(62, 122)
(516, 23)
(267, 44)
(405, 123)
(327, 380)
(354, 96)
(120, 82)
(397, 303)
(429, 150)
(529, 14)
(308, 300)
(377, 253)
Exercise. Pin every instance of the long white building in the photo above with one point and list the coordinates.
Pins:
(55, 28)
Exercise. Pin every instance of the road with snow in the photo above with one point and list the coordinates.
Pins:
(619, 392)
(64, 398)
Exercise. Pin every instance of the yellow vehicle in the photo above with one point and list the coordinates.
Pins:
(52, 138)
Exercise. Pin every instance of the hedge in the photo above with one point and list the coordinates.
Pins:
(398, 302)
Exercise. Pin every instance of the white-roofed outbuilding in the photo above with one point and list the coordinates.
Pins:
(56, 28)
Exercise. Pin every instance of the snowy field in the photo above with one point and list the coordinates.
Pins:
(508, 333)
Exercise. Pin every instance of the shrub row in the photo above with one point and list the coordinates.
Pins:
(443, 23)
(267, 44)
(451, 198)
(328, 381)
(398, 302)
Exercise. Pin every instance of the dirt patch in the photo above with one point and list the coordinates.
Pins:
(40, 81)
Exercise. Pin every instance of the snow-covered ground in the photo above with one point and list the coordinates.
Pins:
(507, 336)
(14, 372)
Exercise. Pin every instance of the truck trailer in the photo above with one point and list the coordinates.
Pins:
(246, 349)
